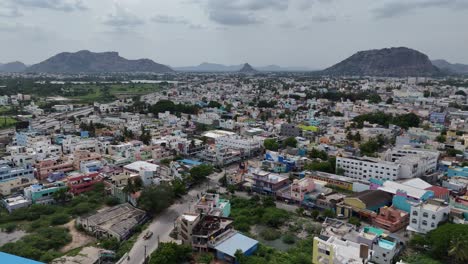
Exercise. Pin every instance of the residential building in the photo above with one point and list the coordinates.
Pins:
(43, 193)
(391, 219)
(268, 183)
(427, 216)
(17, 202)
(328, 250)
(149, 172)
(81, 183)
(290, 130)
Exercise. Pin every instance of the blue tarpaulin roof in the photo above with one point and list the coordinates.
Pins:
(12, 259)
(237, 241)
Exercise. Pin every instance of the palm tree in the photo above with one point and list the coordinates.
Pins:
(458, 249)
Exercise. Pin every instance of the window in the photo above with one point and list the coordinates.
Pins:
(425, 214)
(414, 221)
(432, 225)
(433, 216)
(424, 222)
(415, 213)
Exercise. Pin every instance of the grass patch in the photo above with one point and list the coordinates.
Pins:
(7, 122)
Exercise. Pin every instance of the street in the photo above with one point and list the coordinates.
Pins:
(163, 223)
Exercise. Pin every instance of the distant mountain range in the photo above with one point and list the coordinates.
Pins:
(15, 66)
(214, 67)
(90, 62)
(390, 62)
(456, 68)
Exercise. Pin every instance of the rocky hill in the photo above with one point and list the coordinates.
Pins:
(390, 62)
(15, 66)
(90, 62)
(247, 69)
(456, 68)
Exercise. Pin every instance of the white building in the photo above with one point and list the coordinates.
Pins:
(426, 216)
(366, 168)
(424, 160)
(232, 140)
(148, 172)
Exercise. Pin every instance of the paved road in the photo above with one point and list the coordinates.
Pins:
(163, 224)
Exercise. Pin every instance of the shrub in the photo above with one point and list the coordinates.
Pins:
(289, 238)
(59, 219)
(270, 234)
(111, 201)
(10, 227)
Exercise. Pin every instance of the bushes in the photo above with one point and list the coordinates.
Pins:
(354, 221)
(41, 245)
(59, 219)
(289, 238)
(247, 213)
(171, 253)
(270, 234)
(112, 201)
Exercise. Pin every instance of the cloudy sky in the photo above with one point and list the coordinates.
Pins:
(311, 33)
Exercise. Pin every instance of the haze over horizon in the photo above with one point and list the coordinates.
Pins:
(307, 33)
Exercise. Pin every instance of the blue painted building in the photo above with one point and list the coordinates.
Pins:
(6, 258)
(457, 171)
(226, 249)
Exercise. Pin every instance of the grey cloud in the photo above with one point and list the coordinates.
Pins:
(241, 12)
(396, 8)
(122, 19)
(230, 18)
(10, 11)
(59, 5)
(323, 18)
(164, 19)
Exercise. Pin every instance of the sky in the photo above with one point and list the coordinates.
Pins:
(307, 33)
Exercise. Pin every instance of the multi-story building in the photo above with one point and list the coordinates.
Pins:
(426, 216)
(290, 130)
(42, 194)
(232, 140)
(426, 161)
(211, 204)
(366, 168)
(83, 182)
(45, 167)
(9, 172)
(391, 219)
(148, 172)
(334, 250)
(297, 190)
(268, 183)
(14, 185)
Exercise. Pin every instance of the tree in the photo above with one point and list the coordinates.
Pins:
(374, 99)
(154, 199)
(290, 142)
(354, 221)
(369, 148)
(200, 172)
(449, 241)
(460, 92)
(271, 144)
(179, 187)
(62, 195)
(171, 253)
(328, 213)
(389, 100)
(318, 154)
(453, 152)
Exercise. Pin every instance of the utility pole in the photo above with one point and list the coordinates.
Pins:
(144, 256)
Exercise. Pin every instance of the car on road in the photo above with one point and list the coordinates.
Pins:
(148, 235)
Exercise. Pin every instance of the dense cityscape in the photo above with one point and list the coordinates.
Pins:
(233, 132)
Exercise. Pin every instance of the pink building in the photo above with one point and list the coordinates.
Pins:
(297, 190)
(391, 219)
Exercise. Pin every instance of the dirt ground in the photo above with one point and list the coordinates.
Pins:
(79, 239)
(11, 237)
